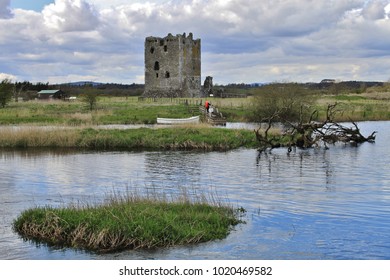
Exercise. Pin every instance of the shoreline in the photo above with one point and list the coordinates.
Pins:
(166, 138)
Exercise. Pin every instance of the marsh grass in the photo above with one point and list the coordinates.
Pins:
(78, 119)
(357, 107)
(120, 110)
(109, 110)
(130, 221)
(201, 137)
(184, 138)
(38, 137)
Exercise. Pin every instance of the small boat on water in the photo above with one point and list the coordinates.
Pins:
(195, 119)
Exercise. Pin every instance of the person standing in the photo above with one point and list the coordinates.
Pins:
(207, 106)
(211, 109)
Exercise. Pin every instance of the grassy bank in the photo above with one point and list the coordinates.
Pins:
(370, 105)
(128, 222)
(373, 106)
(109, 110)
(171, 138)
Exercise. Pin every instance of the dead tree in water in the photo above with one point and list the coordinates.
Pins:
(308, 134)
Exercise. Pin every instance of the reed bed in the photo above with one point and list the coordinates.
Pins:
(38, 137)
(129, 222)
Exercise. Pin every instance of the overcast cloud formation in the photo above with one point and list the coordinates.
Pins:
(242, 40)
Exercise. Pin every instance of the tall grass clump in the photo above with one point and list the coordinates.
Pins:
(128, 222)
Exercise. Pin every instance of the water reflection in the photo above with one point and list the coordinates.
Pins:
(174, 168)
(280, 165)
(314, 204)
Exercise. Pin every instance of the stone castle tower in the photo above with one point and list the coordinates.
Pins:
(172, 66)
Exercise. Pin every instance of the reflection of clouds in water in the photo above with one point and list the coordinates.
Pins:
(303, 205)
(327, 182)
(71, 174)
(174, 168)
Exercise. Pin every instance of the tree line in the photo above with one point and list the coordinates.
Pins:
(28, 91)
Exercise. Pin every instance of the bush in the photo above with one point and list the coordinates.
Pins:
(5, 92)
(287, 101)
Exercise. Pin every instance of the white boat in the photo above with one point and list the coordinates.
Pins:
(195, 119)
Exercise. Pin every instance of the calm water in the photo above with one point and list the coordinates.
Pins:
(318, 204)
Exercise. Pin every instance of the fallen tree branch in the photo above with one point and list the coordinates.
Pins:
(312, 134)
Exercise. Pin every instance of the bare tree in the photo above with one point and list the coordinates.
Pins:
(17, 90)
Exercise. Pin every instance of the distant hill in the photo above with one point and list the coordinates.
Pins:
(257, 84)
(82, 83)
(102, 85)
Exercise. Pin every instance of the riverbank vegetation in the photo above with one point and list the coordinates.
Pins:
(129, 222)
(119, 110)
(202, 138)
(358, 101)
(68, 120)
(371, 103)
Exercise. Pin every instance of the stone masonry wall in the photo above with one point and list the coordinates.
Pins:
(172, 66)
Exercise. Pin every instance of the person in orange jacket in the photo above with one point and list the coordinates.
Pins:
(207, 106)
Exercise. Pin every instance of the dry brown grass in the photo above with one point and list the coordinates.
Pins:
(377, 95)
(30, 136)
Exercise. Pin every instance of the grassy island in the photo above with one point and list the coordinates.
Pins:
(127, 223)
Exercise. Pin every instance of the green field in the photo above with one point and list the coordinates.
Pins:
(73, 124)
(370, 105)
(109, 110)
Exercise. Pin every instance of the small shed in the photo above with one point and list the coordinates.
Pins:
(52, 94)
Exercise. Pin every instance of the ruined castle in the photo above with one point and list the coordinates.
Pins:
(172, 66)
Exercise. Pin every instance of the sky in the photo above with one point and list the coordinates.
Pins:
(243, 41)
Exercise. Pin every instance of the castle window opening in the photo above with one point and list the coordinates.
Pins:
(167, 74)
(156, 75)
(165, 48)
(152, 50)
(161, 42)
(156, 66)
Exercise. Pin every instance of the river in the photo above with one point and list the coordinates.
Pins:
(312, 204)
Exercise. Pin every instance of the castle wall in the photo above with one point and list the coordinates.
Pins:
(172, 66)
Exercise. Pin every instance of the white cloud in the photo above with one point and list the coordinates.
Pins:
(242, 41)
(4, 76)
(70, 15)
(374, 10)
